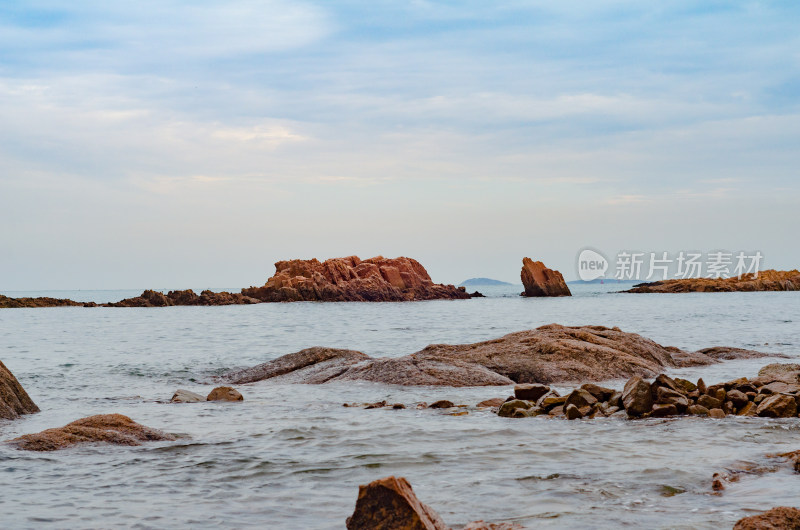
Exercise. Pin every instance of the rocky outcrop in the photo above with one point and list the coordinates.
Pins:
(768, 280)
(541, 281)
(152, 298)
(14, 401)
(106, 428)
(44, 301)
(390, 504)
(548, 354)
(224, 393)
(664, 396)
(351, 279)
(780, 518)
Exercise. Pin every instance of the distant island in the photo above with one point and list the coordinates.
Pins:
(482, 281)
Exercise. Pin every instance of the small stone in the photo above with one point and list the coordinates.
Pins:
(376, 405)
(550, 402)
(663, 409)
(441, 404)
(398, 406)
(581, 398)
(709, 402)
(697, 410)
(615, 400)
(738, 398)
(685, 385)
(701, 386)
(663, 380)
(519, 413)
(507, 408)
(494, 402)
(716, 413)
(530, 391)
(665, 395)
(572, 412)
(728, 407)
(721, 394)
(224, 393)
(185, 396)
(600, 393)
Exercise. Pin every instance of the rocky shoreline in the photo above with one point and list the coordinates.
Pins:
(768, 280)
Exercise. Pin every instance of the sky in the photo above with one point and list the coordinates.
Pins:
(165, 144)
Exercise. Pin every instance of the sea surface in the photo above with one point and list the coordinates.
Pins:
(291, 456)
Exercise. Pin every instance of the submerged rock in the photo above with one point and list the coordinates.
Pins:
(107, 428)
(14, 401)
(185, 396)
(548, 354)
(224, 393)
(768, 280)
(352, 279)
(780, 518)
(541, 281)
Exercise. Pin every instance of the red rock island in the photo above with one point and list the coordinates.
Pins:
(541, 281)
(351, 279)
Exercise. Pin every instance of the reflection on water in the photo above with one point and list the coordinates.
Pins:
(293, 457)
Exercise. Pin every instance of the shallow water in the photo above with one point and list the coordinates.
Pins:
(293, 457)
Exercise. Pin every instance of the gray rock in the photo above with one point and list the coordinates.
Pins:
(186, 396)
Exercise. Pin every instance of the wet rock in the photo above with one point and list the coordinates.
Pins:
(716, 413)
(375, 405)
(530, 391)
(398, 406)
(541, 281)
(778, 406)
(701, 386)
(106, 428)
(685, 385)
(224, 393)
(767, 280)
(661, 410)
(44, 301)
(14, 401)
(616, 400)
(572, 412)
(390, 503)
(600, 393)
(780, 518)
(665, 395)
(580, 398)
(185, 396)
(481, 525)
(548, 402)
(352, 279)
(738, 398)
(709, 402)
(508, 408)
(697, 410)
(494, 402)
(636, 397)
(664, 381)
(441, 404)
(749, 409)
(788, 372)
(779, 387)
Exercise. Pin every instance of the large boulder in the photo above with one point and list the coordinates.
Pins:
(548, 354)
(780, 518)
(768, 280)
(352, 279)
(14, 401)
(107, 428)
(541, 281)
(778, 406)
(224, 393)
(636, 397)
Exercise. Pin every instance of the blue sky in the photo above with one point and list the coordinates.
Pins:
(193, 144)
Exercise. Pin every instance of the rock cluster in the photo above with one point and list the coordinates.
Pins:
(390, 504)
(765, 396)
(221, 393)
(352, 279)
(107, 428)
(541, 281)
(14, 401)
(768, 280)
(548, 354)
(43, 301)
(780, 518)
(150, 298)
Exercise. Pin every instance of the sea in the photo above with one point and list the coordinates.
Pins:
(291, 456)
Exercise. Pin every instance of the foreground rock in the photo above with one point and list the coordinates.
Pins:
(768, 280)
(780, 518)
(390, 504)
(548, 354)
(14, 401)
(151, 298)
(44, 301)
(541, 281)
(351, 279)
(761, 396)
(107, 428)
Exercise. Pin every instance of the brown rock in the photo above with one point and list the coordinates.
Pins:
(541, 281)
(390, 504)
(15, 303)
(701, 386)
(697, 410)
(441, 404)
(788, 372)
(580, 398)
(716, 413)
(600, 393)
(530, 391)
(663, 409)
(507, 409)
(150, 298)
(636, 397)
(749, 409)
(709, 402)
(685, 385)
(738, 398)
(494, 402)
(780, 518)
(351, 279)
(553, 401)
(779, 387)
(777, 406)
(548, 354)
(107, 428)
(665, 395)
(768, 280)
(572, 412)
(224, 393)
(14, 401)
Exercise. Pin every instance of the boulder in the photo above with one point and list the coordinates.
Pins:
(738, 398)
(541, 281)
(697, 410)
(494, 402)
(716, 413)
(768, 280)
(600, 393)
(778, 406)
(224, 393)
(106, 428)
(572, 412)
(441, 404)
(185, 396)
(665, 395)
(352, 279)
(530, 391)
(580, 398)
(636, 397)
(14, 401)
(709, 402)
(661, 410)
(507, 409)
(546, 355)
(788, 372)
(780, 518)
(390, 504)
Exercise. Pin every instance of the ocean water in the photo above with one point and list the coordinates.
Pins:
(291, 456)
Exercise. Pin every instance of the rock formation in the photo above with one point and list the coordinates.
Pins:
(390, 504)
(44, 301)
(780, 518)
(768, 280)
(351, 279)
(763, 396)
(152, 298)
(107, 428)
(541, 281)
(14, 401)
(548, 354)
(224, 393)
